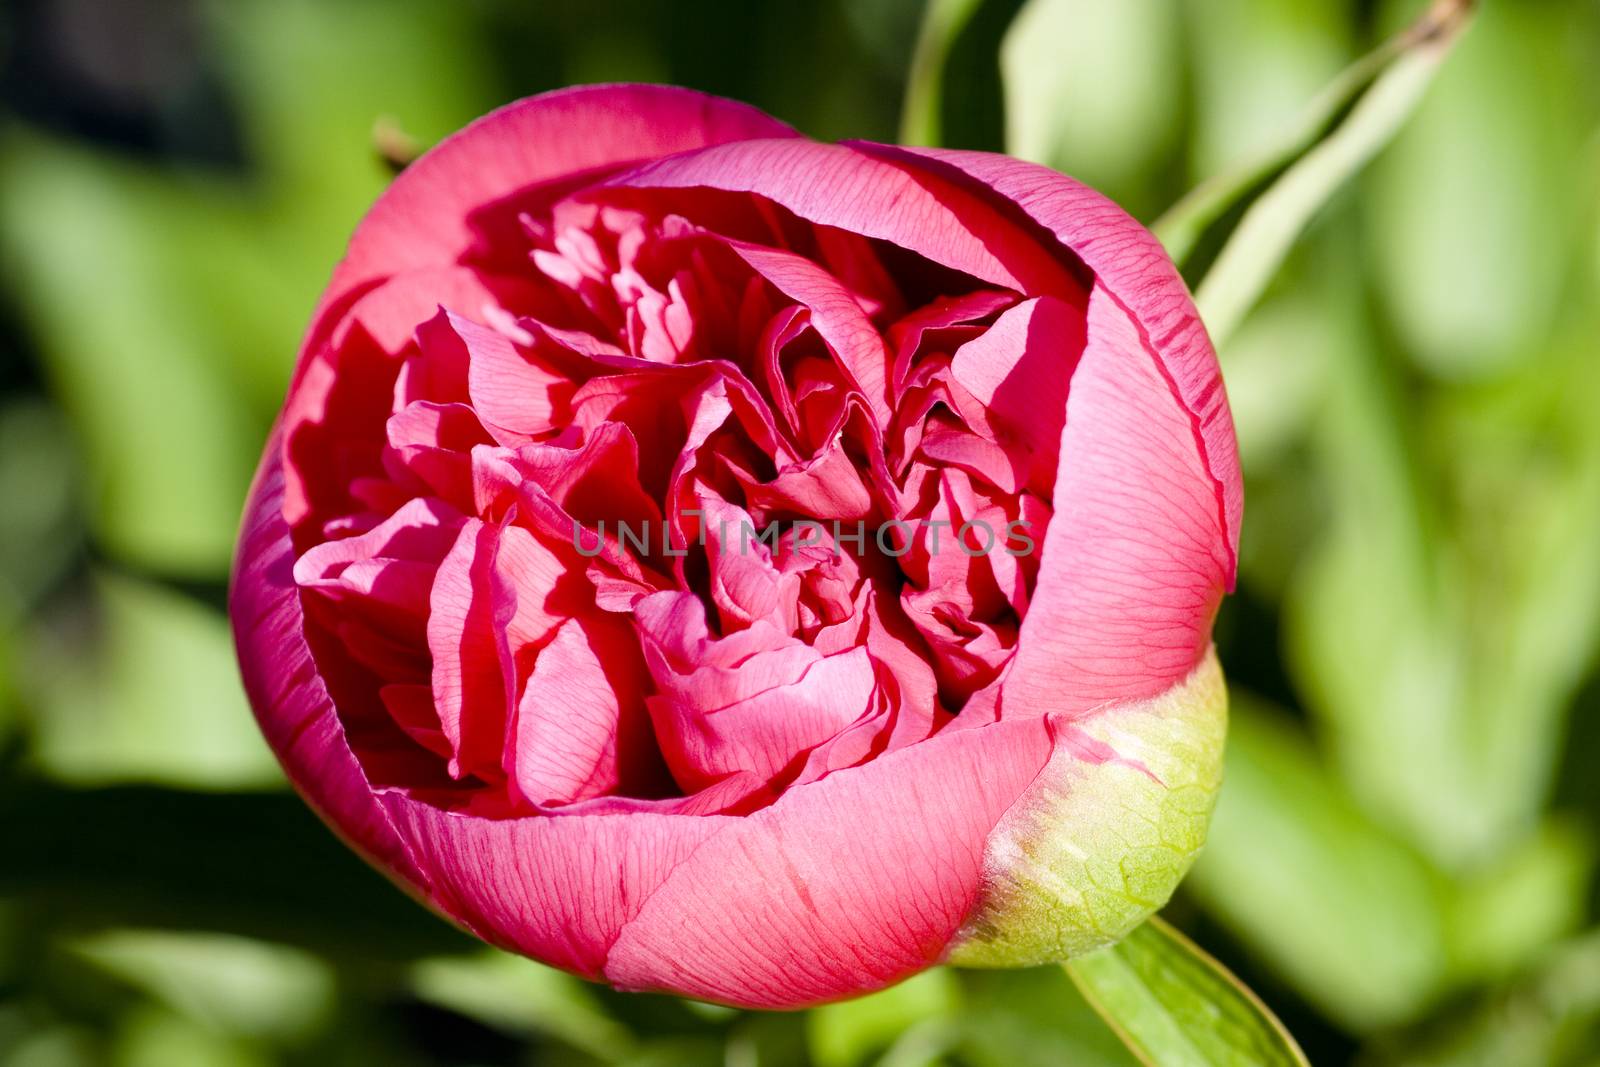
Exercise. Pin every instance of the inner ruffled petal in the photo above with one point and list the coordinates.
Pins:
(715, 499)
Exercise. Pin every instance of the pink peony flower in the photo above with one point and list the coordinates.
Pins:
(712, 561)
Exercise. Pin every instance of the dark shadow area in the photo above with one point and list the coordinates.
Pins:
(254, 864)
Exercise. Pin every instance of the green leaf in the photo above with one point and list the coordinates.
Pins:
(1469, 271)
(953, 93)
(1183, 226)
(232, 863)
(1284, 187)
(1442, 622)
(237, 985)
(139, 683)
(519, 996)
(1175, 1006)
(767, 1039)
(1033, 1018)
(850, 1032)
(1347, 911)
(153, 1037)
(39, 482)
(98, 250)
(1254, 66)
(1548, 1016)
(1531, 895)
(1275, 366)
(921, 119)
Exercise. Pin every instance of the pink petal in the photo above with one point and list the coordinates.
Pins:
(390, 311)
(1133, 268)
(1135, 558)
(423, 219)
(827, 486)
(411, 707)
(766, 732)
(894, 644)
(841, 886)
(926, 329)
(745, 584)
(433, 444)
(554, 887)
(535, 585)
(468, 682)
(373, 588)
(586, 498)
(497, 591)
(332, 426)
(979, 456)
(1019, 369)
(422, 530)
(581, 716)
(837, 316)
(290, 700)
(688, 662)
(517, 398)
(840, 186)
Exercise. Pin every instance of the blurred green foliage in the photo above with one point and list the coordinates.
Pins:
(1402, 859)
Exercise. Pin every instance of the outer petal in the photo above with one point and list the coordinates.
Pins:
(840, 887)
(392, 310)
(558, 888)
(422, 219)
(290, 701)
(1149, 494)
(842, 187)
(1135, 559)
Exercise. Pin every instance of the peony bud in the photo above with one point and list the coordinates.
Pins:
(712, 561)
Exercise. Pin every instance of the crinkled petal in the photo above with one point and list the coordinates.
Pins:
(837, 316)
(764, 733)
(1130, 264)
(578, 723)
(1019, 369)
(468, 681)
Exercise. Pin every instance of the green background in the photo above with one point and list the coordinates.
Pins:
(1402, 862)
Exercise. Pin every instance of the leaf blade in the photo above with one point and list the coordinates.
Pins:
(1175, 1006)
(1280, 190)
(942, 22)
